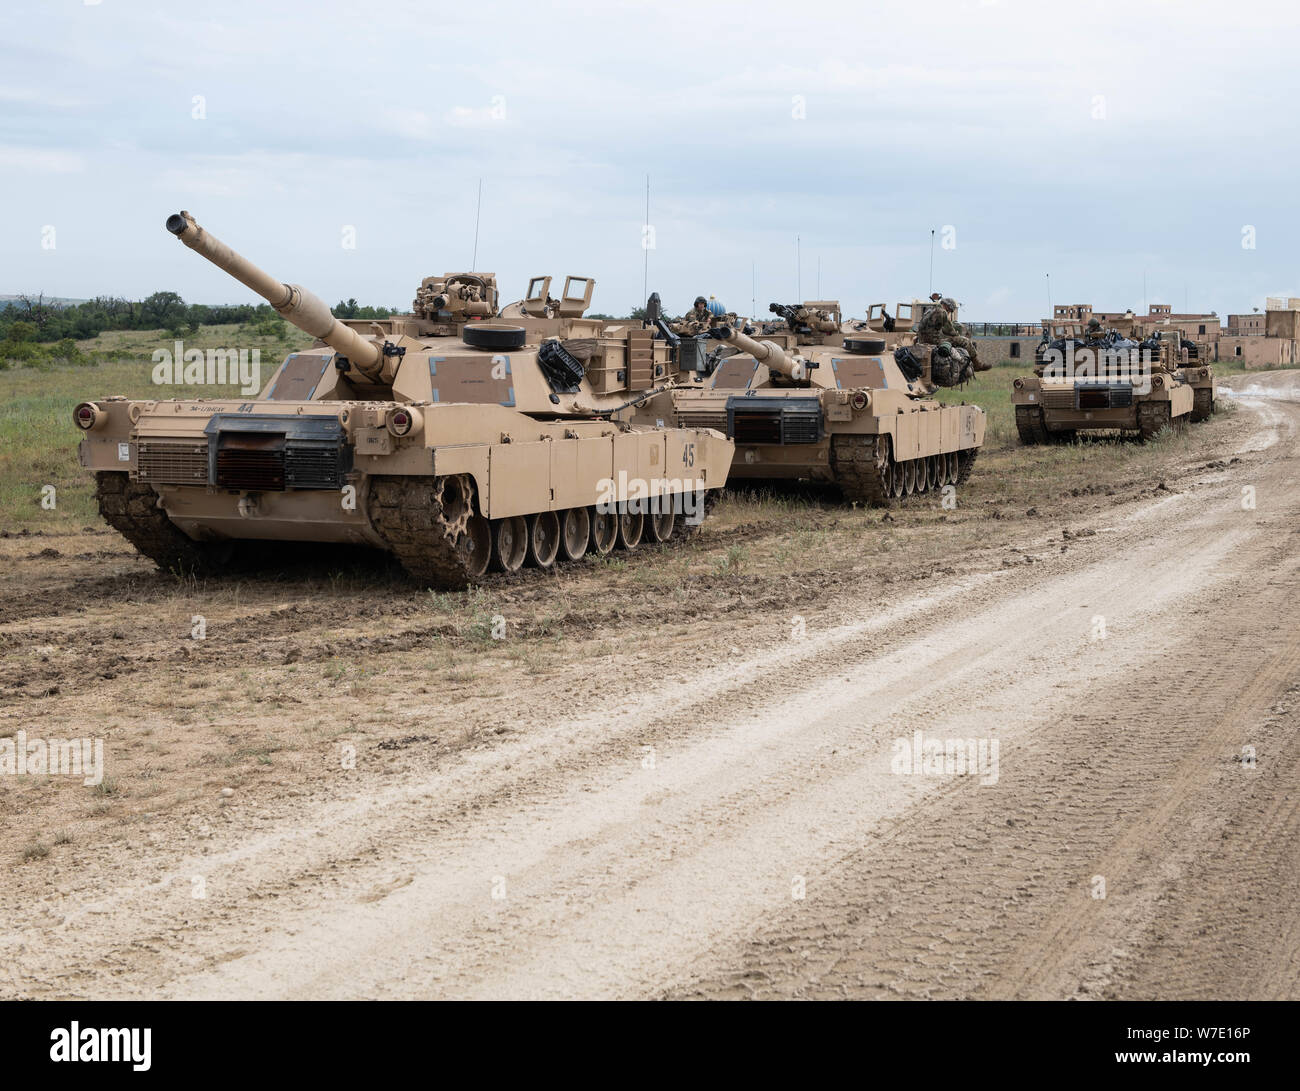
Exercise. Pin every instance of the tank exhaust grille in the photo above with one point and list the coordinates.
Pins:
(270, 453)
(774, 420)
(1103, 395)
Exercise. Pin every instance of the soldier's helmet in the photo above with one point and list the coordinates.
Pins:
(700, 299)
(949, 304)
(1093, 325)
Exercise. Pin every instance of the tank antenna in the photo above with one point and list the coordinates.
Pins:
(932, 261)
(645, 244)
(798, 268)
(477, 210)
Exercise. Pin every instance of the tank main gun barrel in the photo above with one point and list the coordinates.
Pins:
(765, 352)
(291, 301)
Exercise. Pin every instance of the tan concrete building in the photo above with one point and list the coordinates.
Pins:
(1270, 339)
(1245, 325)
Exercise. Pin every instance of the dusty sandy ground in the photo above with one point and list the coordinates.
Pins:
(677, 777)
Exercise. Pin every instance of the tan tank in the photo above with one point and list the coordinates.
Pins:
(1089, 380)
(452, 440)
(805, 400)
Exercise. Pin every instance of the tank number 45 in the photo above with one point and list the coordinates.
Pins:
(688, 455)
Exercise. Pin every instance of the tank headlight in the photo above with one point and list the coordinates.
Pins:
(89, 416)
(1019, 384)
(860, 400)
(1157, 382)
(402, 420)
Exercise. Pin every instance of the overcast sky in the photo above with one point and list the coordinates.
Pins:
(1097, 142)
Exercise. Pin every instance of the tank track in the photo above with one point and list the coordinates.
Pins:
(1202, 403)
(966, 463)
(131, 508)
(684, 531)
(1029, 423)
(1032, 427)
(425, 524)
(1153, 417)
(863, 468)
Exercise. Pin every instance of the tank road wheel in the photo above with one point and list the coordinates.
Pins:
(575, 533)
(922, 474)
(898, 481)
(631, 526)
(543, 539)
(950, 469)
(965, 464)
(131, 508)
(909, 477)
(604, 532)
(1153, 417)
(475, 546)
(1202, 403)
(863, 467)
(659, 528)
(509, 543)
(934, 466)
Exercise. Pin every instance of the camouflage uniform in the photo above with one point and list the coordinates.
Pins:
(696, 320)
(937, 326)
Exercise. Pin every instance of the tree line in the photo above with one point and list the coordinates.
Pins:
(33, 318)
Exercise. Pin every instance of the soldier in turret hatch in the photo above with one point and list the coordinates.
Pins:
(937, 326)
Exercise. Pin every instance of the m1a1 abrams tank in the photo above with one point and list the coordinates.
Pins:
(450, 440)
(813, 403)
(1090, 379)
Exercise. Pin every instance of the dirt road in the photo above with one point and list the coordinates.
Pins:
(728, 812)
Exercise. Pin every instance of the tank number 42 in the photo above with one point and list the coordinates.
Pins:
(688, 455)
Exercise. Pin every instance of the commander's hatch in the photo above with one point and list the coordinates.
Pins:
(904, 317)
(830, 306)
(539, 292)
(577, 296)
